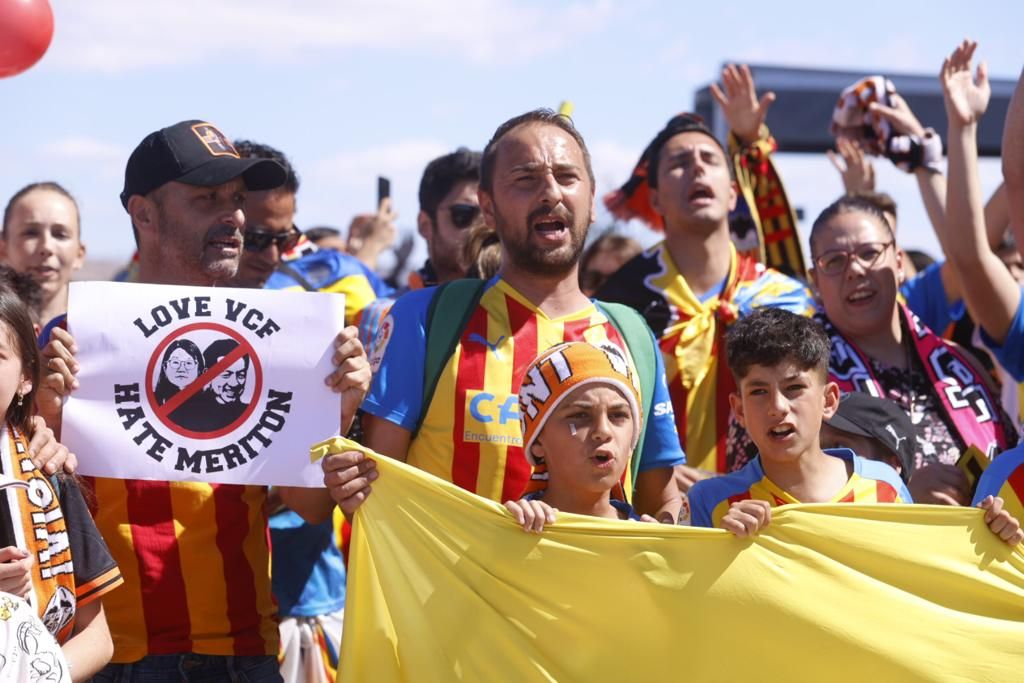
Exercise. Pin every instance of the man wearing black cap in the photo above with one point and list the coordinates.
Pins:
(694, 284)
(196, 601)
(873, 428)
(183, 188)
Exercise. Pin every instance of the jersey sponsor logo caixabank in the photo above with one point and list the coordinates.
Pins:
(205, 384)
(492, 418)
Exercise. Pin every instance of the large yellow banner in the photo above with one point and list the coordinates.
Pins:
(444, 587)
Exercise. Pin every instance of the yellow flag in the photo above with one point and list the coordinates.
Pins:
(566, 108)
(443, 586)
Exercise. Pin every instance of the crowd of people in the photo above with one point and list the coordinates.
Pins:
(704, 380)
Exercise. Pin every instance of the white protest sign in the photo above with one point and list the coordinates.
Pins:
(201, 383)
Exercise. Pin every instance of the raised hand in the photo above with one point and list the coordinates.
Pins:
(739, 103)
(856, 169)
(370, 234)
(966, 97)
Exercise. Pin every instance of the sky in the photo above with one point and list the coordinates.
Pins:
(358, 88)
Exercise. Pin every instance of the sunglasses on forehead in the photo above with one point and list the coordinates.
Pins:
(258, 239)
(463, 215)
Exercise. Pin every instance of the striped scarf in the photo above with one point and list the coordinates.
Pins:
(32, 520)
(961, 390)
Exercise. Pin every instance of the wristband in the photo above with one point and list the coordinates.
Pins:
(904, 151)
(931, 150)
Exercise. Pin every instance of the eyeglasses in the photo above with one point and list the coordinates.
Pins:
(257, 239)
(181, 364)
(835, 261)
(463, 215)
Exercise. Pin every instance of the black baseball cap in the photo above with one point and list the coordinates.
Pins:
(879, 419)
(196, 153)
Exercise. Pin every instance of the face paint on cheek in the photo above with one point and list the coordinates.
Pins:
(572, 429)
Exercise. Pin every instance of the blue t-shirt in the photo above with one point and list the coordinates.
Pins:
(1010, 353)
(396, 393)
(307, 569)
(926, 297)
(750, 482)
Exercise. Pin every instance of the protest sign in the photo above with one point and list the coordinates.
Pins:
(201, 384)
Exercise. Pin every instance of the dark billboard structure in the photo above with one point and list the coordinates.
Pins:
(799, 118)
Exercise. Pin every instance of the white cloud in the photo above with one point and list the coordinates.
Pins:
(79, 148)
(117, 36)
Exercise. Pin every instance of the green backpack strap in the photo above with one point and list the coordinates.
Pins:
(451, 307)
(637, 335)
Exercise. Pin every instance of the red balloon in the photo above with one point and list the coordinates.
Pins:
(26, 29)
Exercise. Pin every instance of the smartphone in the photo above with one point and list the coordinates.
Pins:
(383, 189)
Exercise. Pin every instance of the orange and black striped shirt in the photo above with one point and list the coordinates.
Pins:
(48, 517)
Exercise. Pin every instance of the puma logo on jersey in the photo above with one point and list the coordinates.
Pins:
(474, 337)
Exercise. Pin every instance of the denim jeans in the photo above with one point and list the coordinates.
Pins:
(193, 668)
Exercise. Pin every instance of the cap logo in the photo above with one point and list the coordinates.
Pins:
(215, 141)
(889, 428)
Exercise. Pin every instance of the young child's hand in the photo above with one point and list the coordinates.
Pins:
(747, 517)
(1002, 523)
(531, 514)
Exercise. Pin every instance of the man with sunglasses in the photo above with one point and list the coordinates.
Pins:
(269, 230)
(448, 207)
(276, 255)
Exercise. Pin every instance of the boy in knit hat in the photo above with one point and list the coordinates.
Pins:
(579, 408)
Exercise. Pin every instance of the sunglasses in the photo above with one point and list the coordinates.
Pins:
(463, 215)
(257, 239)
(836, 261)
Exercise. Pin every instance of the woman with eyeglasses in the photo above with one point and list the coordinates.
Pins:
(181, 365)
(879, 347)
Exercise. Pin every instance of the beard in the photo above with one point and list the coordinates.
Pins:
(215, 265)
(532, 258)
(187, 251)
